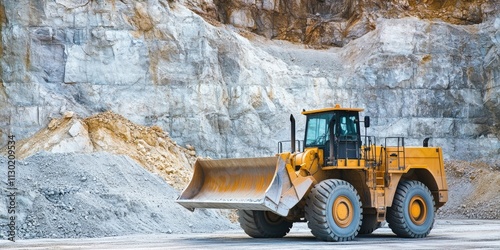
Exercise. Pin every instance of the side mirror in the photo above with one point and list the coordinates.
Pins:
(367, 122)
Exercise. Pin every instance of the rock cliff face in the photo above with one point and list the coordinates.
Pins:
(334, 22)
(229, 92)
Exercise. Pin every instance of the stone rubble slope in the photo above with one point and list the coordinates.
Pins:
(71, 195)
(151, 147)
(474, 190)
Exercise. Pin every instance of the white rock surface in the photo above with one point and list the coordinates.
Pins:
(78, 142)
(156, 62)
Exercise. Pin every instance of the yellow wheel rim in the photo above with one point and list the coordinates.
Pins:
(418, 210)
(343, 211)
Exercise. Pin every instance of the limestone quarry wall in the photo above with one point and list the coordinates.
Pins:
(229, 92)
(334, 22)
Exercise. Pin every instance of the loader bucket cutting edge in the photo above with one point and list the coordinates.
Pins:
(246, 183)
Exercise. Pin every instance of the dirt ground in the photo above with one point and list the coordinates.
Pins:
(446, 234)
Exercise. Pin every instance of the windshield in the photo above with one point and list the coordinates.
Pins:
(317, 132)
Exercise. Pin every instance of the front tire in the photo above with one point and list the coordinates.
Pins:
(412, 212)
(333, 211)
(263, 224)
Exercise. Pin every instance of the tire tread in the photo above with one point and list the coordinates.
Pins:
(316, 210)
(395, 214)
(253, 223)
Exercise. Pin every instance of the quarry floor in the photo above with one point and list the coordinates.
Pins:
(447, 234)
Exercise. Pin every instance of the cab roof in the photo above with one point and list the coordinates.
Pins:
(336, 108)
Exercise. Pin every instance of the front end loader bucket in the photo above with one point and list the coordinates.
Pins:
(246, 183)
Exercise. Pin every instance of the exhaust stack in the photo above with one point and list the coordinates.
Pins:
(292, 140)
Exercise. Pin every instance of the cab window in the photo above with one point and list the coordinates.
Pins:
(317, 132)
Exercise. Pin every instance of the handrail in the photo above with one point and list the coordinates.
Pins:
(298, 143)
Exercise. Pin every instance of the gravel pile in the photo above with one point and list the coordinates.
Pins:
(474, 190)
(151, 147)
(96, 195)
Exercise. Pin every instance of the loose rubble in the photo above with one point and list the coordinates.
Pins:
(474, 190)
(71, 195)
(151, 147)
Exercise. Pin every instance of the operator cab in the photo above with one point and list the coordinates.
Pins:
(336, 131)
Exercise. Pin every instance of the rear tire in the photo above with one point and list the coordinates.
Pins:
(263, 224)
(412, 212)
(333, 211)
(369, 224)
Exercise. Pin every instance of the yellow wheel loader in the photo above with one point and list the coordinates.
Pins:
(342, 183)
